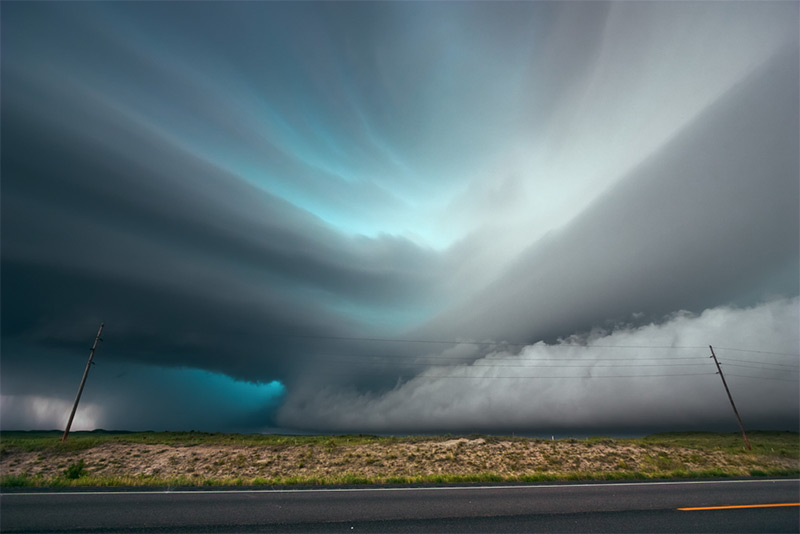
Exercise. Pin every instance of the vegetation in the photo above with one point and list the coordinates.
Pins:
(77, 441)
(782, 443)
(171, 459)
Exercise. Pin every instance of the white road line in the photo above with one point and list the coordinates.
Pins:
(401, 488)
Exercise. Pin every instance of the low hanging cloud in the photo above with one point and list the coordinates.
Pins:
(177, 399)
(46, 413)
(631, 379)
(260, 198)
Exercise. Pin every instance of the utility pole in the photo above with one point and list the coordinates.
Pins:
(83, 381)
(739, 419)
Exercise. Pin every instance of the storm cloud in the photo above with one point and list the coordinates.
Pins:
(652, 377)
(319, 216)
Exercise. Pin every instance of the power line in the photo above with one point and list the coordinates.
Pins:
(763, 378)
(512, 358)
(512, 361)
(589, 364)
(526, 344)
(761, 351)
(83, 382)
(538, 377)
(398, 362)
(764, 363)
(480, 343)
(753, 367)
(573, 377)
(730, 397)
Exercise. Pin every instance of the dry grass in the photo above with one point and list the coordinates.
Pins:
(366, 459)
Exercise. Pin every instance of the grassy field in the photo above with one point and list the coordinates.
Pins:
(195, 459)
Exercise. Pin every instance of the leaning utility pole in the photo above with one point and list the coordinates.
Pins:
(83, 381)
(739, 419)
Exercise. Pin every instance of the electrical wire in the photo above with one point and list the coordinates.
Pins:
(590, 364)
(764, 363)
(515, 358)
(480, 343)
(753, 367)
(541, 377)
(759, 351)
(439, 361)
(529, 344)
(762, 377)
(575, 377)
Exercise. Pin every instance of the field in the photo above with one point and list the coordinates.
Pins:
(195, 459)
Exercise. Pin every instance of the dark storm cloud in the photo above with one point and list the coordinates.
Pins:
(258, 192)
(105, 217)
(206, 260)
(712, 217)
(635, 379)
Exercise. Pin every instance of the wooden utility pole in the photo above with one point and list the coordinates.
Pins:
(735, 411)
(83, 381)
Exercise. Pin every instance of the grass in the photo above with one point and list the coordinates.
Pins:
(78, 441)
(782, 443)
(40, 459)
(11, 481)
(75, 470)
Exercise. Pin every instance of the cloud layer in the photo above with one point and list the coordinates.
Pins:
(652, 377)
(259, 198)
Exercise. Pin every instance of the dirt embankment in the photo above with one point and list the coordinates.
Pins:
(506, 458)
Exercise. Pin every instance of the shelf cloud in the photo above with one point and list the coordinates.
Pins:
(284, 213)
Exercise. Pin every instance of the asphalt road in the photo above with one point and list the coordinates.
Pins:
(607, 507)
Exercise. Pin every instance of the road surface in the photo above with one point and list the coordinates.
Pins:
(593, 507)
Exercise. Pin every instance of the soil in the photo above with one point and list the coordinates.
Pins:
(506, 458)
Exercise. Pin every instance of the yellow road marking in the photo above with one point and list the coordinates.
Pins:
(741, 506)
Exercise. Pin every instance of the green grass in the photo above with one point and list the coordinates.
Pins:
(9, 481)
(75, 470)
(785, 444)
(770, 443)
(78, 441)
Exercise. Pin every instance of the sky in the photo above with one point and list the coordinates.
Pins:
(400, 217)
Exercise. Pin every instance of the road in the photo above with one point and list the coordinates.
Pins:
(595, 507)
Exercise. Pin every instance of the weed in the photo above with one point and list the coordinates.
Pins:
(75, 470)
(15, 481)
